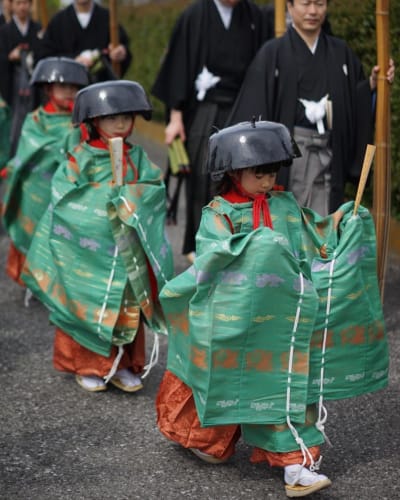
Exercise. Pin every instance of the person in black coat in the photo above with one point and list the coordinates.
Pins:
(314, 84)
(81, 31)
(5, 14)
(19, 48)
(210, 48)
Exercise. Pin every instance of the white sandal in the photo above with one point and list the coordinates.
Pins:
(91, 383)
(300, 481)
(126, 380)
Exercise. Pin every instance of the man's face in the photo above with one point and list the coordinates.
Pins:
(21, 8)
(308, 15)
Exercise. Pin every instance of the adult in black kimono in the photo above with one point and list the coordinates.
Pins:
(19, 46)
(5, 14)
(81, 31)
(201, 44)
(315, 85)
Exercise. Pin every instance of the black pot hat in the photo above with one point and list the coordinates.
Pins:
(60, 70)
(250, 144)
(110, 98)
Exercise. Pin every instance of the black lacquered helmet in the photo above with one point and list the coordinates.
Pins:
(60, 70)
(250, 144)
(110, 98)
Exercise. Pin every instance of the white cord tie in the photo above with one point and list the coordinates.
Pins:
(155, 350)
(115, 364)
(146, 244)
(153, 357)
(320, 424)
(126, 204)
(304, 450)
(27, 298)
(322, 411)
(109, 283)
(316, 466)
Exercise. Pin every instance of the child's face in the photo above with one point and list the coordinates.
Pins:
(257, 183)
(115, 125)
(63, 95)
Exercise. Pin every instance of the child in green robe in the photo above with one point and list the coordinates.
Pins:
(46, 134)
(279, 312)
(4, 139)
(100, 253)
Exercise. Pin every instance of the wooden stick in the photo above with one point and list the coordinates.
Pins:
(116, 148)
(280, 17)
(114, 35)
(382, 169)
(44, 14)
(369, 156)
(35, 10)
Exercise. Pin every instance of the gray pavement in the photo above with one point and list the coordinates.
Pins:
(58, 442)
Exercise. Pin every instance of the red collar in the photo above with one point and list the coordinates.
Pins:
(99, 143)
(49, 107)
(260, 204)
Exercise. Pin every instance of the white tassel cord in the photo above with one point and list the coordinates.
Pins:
(28, 297)
(115, 364)
(156, 344)
(322, 411)
(110, 280)
(153, 356)
(305, 451)
(101, 316)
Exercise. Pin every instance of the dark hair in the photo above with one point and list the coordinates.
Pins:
(292, 1)
(226, 183)
(92, 130)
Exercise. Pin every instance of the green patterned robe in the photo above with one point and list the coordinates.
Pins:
(250, 331)
(5, 122)
(45, 137)
(92, 248)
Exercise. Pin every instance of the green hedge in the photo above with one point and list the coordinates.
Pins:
(149, 27)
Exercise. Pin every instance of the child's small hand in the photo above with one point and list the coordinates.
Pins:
(337, 217)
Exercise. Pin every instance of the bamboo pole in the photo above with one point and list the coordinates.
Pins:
(35, 10)
(40, 13)
(280, 17)
(114, 38)
(44, 14)
(369, 156)
(382, 167)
